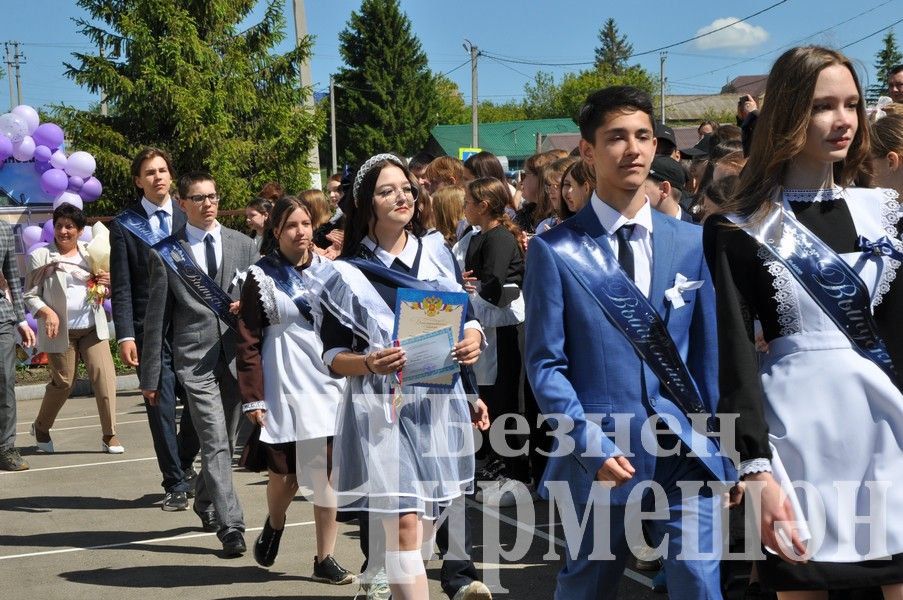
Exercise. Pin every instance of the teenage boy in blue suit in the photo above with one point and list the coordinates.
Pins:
(593, 384)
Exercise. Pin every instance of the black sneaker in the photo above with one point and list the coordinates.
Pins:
(329, 571)
(175, 501)
(191, 478)
(491, 470)
(11, 460)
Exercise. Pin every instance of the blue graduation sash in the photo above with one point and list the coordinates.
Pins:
(827, 278)
(140, 227)
(288, 280)
(597, 270)
(206, 289)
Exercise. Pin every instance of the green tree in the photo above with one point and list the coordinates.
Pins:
(182, 75)
(450, 107)
(614, 52)
(546, 99)
(888, 57)
(490, 112)
(541, 97)
(387, 100)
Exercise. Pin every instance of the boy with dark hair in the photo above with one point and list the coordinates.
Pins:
(634, 283)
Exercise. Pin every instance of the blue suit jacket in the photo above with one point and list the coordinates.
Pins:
(579, 364)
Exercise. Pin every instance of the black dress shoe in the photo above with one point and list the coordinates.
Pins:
(234, 544)
(267, 545)
(209, 520)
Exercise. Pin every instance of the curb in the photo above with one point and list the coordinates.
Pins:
(81, 387)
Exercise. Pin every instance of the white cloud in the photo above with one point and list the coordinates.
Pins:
(741, 36)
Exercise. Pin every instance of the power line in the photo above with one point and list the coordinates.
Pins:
(509, 67)
(871, 34)
(791, 44)
(635, 54)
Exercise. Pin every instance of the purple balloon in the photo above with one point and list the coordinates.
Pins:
(92, 190)
(87, 234)
(36, 246)
(41, 168)
(6, 147)
(48, 134)
(54, 181)
(108, 306)
(81, 164)
(30, 320)
(31, 235)
(42, 154)
(47, 231)
(75, 183)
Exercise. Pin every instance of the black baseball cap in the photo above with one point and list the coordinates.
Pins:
(663, 132)
(702, 148)
(665, 168)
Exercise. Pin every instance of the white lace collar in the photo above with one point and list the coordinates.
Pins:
(814, 195)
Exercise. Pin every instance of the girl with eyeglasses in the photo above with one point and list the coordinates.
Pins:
(401, 454)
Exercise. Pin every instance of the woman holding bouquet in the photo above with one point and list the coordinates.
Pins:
(64, 294)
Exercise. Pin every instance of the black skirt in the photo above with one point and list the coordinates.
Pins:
(781, 576)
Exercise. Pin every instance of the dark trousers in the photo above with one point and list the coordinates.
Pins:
(7, 385)
(456, 572)
(175, 446)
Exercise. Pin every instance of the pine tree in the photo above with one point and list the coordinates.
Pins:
(888, 57)
(615, 51)
(386, 101)
(181, 75)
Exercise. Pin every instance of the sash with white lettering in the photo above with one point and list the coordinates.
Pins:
(597, 270)
(206, 289)
(288, 280)
(140, 227)
(826, 277)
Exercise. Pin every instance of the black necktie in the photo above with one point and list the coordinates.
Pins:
(210, 250)
(164, 223)
(625, 252)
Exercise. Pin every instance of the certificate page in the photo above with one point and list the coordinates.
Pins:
(429, 320)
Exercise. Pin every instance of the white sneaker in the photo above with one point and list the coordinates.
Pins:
(475, 590)
(502, 492)
(378, 586)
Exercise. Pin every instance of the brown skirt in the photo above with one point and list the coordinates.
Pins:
(259, 456)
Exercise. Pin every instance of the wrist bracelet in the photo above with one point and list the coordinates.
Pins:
(367, 364)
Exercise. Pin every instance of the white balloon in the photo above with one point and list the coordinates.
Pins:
(81, 164)
(24, 150)
(32, 119)
(13, 126)
(68, 197)
(58, 160)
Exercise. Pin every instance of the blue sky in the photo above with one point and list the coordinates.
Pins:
(563, 31)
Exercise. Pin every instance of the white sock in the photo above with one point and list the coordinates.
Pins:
(404, 566)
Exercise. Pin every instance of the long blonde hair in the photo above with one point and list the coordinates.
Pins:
(780, 133)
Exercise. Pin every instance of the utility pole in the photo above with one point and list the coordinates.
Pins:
(18, 60)
(661, 83)
(9, 75)
(335, 166)
(300, 33)
(474, 117)
(104, 109)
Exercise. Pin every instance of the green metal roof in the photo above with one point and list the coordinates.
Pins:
(514, 139)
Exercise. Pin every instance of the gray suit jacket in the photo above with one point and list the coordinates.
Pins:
(201, 342)
(11, 309)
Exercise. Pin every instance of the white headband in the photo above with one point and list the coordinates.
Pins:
(368, 166)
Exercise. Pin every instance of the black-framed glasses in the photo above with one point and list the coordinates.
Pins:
(198, 198)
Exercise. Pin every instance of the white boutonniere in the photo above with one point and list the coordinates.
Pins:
(681, 285)
(238, 280)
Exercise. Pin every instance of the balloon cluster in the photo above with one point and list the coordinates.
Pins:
(66, 179)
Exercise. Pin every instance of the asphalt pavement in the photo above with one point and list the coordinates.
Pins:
(84, 524)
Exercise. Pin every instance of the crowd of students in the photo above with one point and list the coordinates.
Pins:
(756, 354)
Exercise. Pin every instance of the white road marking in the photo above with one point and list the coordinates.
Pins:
(94, 464)
(95, 426)
(174, 538)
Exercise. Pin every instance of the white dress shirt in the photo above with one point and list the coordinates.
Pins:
(150, 208)
(198, 249)
(640, 240)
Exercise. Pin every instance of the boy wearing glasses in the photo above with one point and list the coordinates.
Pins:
(204, 343)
